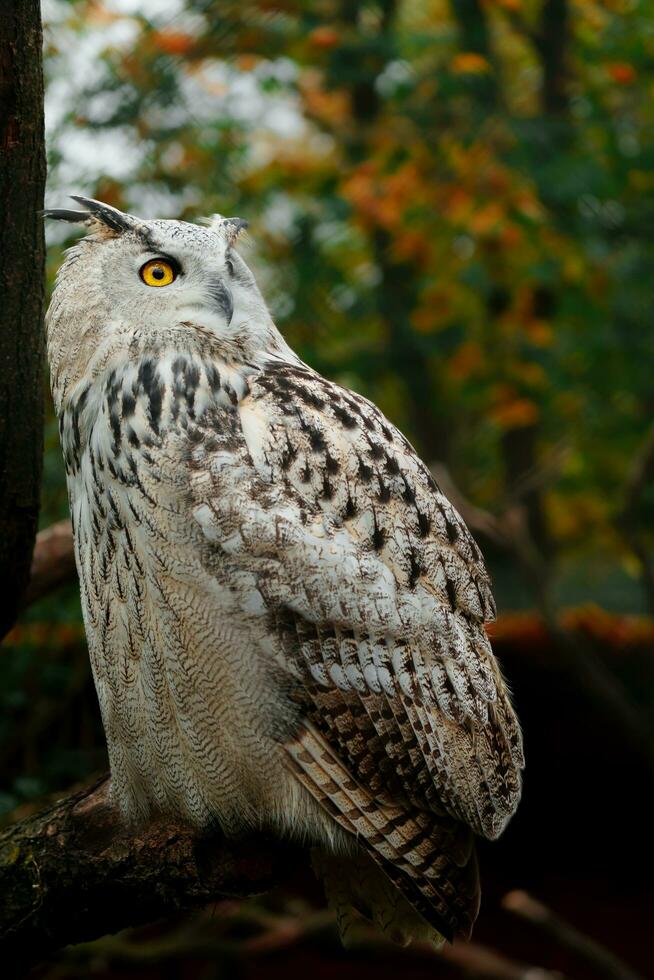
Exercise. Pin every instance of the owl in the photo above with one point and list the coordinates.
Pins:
(284, 613)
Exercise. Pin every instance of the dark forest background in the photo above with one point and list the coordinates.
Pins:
(451, 210)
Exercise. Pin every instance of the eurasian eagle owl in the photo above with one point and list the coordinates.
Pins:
(284, 613)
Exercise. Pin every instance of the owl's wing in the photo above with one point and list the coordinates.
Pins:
(376, 595)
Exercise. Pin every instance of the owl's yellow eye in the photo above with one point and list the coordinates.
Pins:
(158, 272)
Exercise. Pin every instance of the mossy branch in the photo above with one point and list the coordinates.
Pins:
(75, 871)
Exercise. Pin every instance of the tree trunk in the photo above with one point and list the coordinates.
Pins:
(552, 43)
(22, 260)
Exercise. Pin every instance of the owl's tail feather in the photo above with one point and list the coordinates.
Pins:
(428, 859)
(356, 890)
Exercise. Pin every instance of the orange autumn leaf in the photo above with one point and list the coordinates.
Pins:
(411, 246)
(487, 218)
(620, 631)
(621, 72)
(247, 62)
(467, 359)
(469, 63)
(539, 332)
(97, 14)
(515, 414)
(457, 205)
(528, 626)
(511, 236)
(530, 373)
(425, 319)
(384, 199)
(172, 42)
(44, 634)
(331, 107)
(324, 37)
(404, 182)
(434, 309)
(111, 193)
(527, 204)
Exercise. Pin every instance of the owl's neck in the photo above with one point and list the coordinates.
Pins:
(138, 402)
(238, 349)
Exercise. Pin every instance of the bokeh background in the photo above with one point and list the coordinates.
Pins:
(451, 210)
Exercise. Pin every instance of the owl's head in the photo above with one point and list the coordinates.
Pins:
(135, 285)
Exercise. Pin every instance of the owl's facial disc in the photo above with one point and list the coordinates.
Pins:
(201, 281)
(168, 273)
(160, 280)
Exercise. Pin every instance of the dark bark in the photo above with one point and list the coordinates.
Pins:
(22, 181)
(473, 27)
(474, 36)
(75, 872)
(552, 42)
(428, 415)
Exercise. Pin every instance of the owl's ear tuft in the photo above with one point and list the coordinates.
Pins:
(102, 216)
(231, 228)
(107, 215)
(235, 227)
(63, 214)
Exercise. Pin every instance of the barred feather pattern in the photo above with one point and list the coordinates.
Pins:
(285, 619)
(385, 588)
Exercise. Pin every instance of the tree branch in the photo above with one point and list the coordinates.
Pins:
(251, 932)
(604, 963)
(53, 561)
(76, 871)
